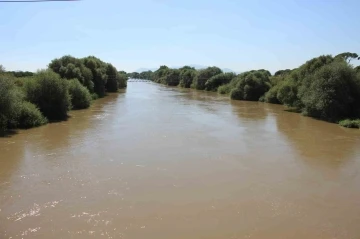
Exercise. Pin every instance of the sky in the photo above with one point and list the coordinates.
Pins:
(133, 34)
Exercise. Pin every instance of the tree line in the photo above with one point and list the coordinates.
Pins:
(326, 87)
(32, 99)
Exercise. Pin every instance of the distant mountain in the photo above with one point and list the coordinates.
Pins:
(196, 66)
(146, 69)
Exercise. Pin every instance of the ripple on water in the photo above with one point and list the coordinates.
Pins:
(34, 211)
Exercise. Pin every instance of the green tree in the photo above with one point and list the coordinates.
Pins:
(187, 74)
(80, 95)
(287, 90)
(50, 93)
(10, 102)
(251, 86)
(282, 72)
(112, 74)
(332, 93)
(221, 79)
(160, 73)
(29, 116)
(146, 75)
(98, 69)
(122, 80)
(134, 75)
(203, 75)
(347, 56)
(172, 77)
(357, 69)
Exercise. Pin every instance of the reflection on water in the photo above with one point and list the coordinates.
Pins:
(318, 142)
(162, 162)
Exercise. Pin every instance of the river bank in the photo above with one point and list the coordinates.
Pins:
(47, 95)
(326, 87)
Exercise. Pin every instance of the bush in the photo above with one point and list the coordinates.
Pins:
(236, 94)
(224, 89)
(111, 83)
(221, 79)
(30, 116)
(350, 123)
(251, 86)
(171, 77)
(122, 80)
(287, 93)
(203, 75)
(271, 95)
(332, 93)
(94, 96)
(10, 101)
(80, 95)
(98, 70)
(160, 73)
(186, 77)
(50, 93)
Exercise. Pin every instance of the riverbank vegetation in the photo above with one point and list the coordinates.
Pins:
(326, 87)
(32, 99)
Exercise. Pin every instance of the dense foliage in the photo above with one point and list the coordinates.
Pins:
(14, 110)
(96, 75)
(134, 75)
(324, 87)
(80, 95)
(215, 81)
(50, 93)
(186, 77)
(145, 75)
(203, 75)
(30, 116)
(251, 85)
(10, 101)
(21, 73)
(31, 99)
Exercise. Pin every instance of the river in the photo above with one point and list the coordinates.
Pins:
(157, 162)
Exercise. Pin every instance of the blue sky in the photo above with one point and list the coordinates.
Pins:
(236, 34)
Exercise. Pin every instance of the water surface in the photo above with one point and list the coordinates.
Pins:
(157, 163)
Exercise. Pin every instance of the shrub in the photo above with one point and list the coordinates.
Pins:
(287, 93)
(111, 83)
(203, 75)
(225, 89)
(350, 123)
(357, 69)
(313, 65)
(10, 101)
(236, 94)
(88, 78)
(332, 93)
(172, 77)
(30, 116)
(50, 93)
(98, 70)
(271, 95)
(251, 86)
(122, 80)
(160, 73)
(80, 95)
(220, 79)
(94, 96)
(145, 75)
(186, 77)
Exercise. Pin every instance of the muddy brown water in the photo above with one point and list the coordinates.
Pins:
(164, 163)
